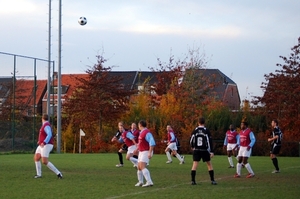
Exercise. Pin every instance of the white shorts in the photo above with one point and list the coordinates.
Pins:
(243, 152)
(172, 146)
(230, 147)
(131, 149)
(143, 156)
(44, 151)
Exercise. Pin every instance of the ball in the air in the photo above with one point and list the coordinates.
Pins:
(82, 21)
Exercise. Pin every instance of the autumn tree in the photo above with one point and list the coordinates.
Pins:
(282, 94)
(100, 99)
(184, 93)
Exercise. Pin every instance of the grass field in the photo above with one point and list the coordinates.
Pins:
(95, 176)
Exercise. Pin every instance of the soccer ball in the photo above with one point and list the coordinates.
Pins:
(82, 21)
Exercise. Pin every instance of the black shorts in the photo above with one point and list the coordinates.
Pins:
(198, 155)
(275, 149)
(124, 147)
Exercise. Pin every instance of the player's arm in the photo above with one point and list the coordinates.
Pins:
(150, 139)
(120, 140)
(211, 150)
(49, 135)
(273, 138)
(252, 140)
(225, 141)
(237, 142)
(130, 136)
(192, 141)
(276, 131)
(116, 136)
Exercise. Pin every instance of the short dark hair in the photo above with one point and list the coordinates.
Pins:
(45, 117)
(276, 121)
(143, 123)
(201, 120)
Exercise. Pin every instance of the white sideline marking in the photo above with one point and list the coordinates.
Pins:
(149, 189)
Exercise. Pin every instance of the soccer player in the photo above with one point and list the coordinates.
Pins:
(128, 138)
(145, 147)
(123, 148)
(230, 143)
(201, 143)
(245, 141)
(275, 140)
(172, 146)
(45, 143)
(136, 134)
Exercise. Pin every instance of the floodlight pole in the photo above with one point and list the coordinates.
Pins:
(49, 59)
(14, 104)
(59, 81)
(34, 102)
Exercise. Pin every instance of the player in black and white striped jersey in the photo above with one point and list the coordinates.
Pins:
(275, 139)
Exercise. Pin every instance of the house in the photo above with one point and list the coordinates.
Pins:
(225, 89)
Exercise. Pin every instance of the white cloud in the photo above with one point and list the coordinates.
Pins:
(20, 7)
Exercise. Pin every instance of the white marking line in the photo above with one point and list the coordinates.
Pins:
(149, 189)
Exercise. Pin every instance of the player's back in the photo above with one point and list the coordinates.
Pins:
(199, 139)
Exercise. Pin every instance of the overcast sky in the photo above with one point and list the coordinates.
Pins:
(241, 38)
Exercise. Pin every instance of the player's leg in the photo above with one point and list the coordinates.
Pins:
(45, 155)
(211, 172)
(38, 165)
(143, 160)
(229, 156)
(273, 153)
(207, 159)
(193, 172)
(167, 151)
(129, 155)
(247, 164)
(140, 176)
(196, 159)
(173, 147)
(120, 158)
(178, 156)
(239, 163)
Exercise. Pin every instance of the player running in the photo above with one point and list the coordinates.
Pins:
(172, 146)
(123, 148)
(128, 138)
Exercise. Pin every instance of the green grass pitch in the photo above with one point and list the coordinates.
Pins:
(95, 176)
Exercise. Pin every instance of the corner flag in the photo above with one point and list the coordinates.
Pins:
(82, 133)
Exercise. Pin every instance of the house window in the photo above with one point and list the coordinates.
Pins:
(231, 92)
(64, 89)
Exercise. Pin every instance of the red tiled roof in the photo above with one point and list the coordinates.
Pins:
(25, 91)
